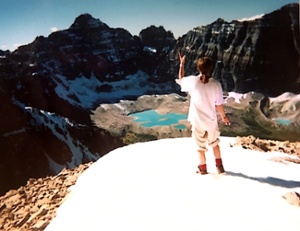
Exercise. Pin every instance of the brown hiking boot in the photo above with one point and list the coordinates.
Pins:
(202, 169)
(203, 172)
(220, 169)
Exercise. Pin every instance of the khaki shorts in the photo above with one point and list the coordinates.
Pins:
(203, 137)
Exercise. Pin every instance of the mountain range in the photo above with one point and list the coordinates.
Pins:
(48, 88)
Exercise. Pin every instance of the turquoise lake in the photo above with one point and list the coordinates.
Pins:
(151, 118)
(283, 121)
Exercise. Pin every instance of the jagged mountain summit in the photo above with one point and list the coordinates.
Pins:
(248, 54)
(49, 87)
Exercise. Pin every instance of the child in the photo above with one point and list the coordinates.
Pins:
(206, 98)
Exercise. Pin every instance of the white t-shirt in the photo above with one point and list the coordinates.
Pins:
(204, 98)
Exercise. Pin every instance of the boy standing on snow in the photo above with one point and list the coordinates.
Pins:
(206, 98)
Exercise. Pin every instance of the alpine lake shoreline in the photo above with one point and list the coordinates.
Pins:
(249, 124)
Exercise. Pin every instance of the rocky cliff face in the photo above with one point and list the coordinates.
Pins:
(261, 55)
(156, 43)
(36, 143)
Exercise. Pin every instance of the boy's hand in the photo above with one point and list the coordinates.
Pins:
(226, 120)
(181, 58)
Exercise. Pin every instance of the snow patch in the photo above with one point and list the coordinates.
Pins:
(82, 91)
(251, 18)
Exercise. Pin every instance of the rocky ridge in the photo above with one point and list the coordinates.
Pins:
(261, 145)
(32, 207)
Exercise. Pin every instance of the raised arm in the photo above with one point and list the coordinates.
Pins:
(181, 66)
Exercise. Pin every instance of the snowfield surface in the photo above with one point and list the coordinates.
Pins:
(153, 187)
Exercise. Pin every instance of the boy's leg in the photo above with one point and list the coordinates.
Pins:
(217, 152)
(219, 163)
(214, 143)
(200, 138)
(202, 159)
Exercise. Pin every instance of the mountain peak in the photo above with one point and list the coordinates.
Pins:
(86, 21)
(219, 21)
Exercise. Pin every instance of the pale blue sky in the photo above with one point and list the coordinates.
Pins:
(21, 21)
